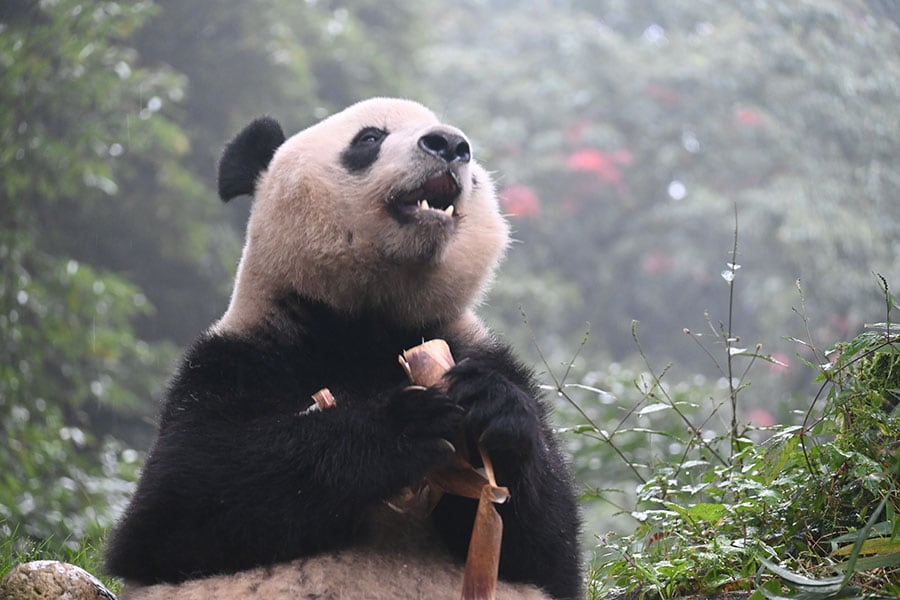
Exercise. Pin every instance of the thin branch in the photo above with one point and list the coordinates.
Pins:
(670, 401)
(559, 386)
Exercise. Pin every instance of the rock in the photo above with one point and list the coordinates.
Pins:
(52, 580)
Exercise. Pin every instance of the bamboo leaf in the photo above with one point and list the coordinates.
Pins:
(796, 580)
(652, 408)
(879, 561)
(871, 546)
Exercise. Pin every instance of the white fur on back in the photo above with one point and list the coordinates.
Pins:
(400, 558)
(349, 575)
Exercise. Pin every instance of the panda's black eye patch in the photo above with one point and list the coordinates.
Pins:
(368, 135)
(363, 149)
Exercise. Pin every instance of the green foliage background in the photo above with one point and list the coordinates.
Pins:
(623, 134)
(115, 250)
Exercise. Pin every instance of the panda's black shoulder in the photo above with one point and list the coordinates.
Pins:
(302, 346)
(215, 375)
(235, 372)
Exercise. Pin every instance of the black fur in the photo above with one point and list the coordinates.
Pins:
(248, 155)
(363, 150)
(238, 477)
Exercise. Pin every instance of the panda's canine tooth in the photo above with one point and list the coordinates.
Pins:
(449, 211)
(423, 204)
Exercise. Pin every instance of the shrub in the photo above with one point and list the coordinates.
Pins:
(721, 505)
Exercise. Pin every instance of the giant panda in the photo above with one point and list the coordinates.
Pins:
(369, 232)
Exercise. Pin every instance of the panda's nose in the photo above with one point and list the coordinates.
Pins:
(446, 145)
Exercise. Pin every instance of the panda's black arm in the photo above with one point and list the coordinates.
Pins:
(541, 525)
(234, 482)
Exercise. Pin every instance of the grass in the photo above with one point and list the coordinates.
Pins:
(87, 554)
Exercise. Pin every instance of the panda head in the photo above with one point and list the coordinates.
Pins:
(379, 209)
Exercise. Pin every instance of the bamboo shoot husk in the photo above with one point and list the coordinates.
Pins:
(426, 365)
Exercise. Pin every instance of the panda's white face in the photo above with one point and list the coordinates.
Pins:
(377, 208)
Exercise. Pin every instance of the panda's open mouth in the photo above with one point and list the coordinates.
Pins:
(434, 198)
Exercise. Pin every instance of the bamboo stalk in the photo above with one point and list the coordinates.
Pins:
(323, 398)
(483, 560)
(426, 365)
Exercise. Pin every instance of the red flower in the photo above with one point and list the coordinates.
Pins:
(605, 165)
(760, 417)
(520, 201)
(745, 116)
(657, 262)
(782, 362)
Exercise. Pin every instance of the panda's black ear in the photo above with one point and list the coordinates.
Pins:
(248, 155)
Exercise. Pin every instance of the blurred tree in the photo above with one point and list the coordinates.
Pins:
(624, 132)
(648, 122)
(74, 108)
(114, 246)
(296, 61)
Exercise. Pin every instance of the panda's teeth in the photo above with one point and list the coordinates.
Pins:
(423, 205)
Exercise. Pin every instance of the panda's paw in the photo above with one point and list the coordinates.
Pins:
(424, 422)
(501, 416)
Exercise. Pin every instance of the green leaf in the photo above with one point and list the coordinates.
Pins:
(871, 546)
(653, 408)
(883, 528)
(801, 581)
(707, 512)
(869, 563)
